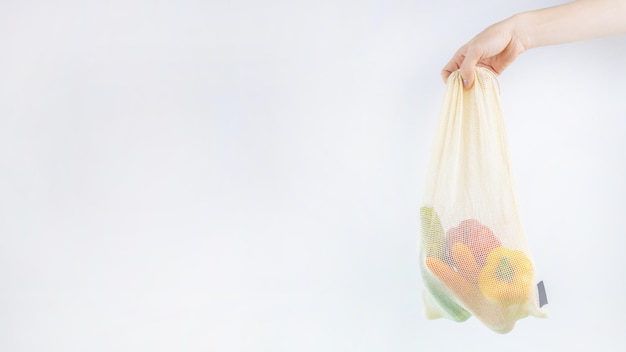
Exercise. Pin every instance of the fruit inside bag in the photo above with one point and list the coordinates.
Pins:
(474, 254)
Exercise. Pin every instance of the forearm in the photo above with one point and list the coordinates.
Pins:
(574, 21)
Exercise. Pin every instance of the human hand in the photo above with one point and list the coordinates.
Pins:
(494, 48)
(499, 45)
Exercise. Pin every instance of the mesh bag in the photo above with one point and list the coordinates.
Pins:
(474, 256)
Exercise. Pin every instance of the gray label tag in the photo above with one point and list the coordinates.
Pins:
(543, 299)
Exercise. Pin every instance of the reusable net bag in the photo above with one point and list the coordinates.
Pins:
(474, 256)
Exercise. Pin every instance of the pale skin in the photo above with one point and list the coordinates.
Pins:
(500, 44)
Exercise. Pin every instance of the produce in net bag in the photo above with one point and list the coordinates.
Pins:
(474, 256)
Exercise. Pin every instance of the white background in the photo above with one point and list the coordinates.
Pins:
(246, 176)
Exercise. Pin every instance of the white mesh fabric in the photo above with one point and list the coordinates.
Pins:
(474, 255)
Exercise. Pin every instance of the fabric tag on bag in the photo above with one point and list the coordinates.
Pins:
(543, 298)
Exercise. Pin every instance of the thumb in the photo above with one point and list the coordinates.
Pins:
(468, 68)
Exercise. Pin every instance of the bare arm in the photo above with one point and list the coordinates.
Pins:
(500, 44)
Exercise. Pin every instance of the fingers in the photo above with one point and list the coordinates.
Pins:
(495, 48)
(465, 61)
(453, 65)
(468, 68)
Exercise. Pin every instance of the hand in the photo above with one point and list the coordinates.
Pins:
(499, 45)
(494, 48)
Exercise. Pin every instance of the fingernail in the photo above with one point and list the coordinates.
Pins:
(465, 83)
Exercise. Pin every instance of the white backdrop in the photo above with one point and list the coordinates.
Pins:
(246, 176)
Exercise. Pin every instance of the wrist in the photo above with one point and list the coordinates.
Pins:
(521, 30)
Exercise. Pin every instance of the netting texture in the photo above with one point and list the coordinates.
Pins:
(474, 255)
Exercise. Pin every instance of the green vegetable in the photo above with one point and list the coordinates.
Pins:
(442, 297)
(434, 245)
(433, 236)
